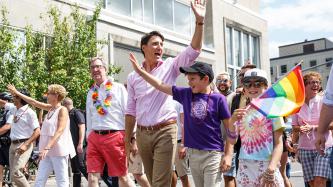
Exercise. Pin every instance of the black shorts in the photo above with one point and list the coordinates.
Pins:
(4, 155)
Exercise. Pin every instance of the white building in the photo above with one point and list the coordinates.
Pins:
(234, 31)
(317, 55)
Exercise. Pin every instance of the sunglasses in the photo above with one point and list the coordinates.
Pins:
(313, 82)
(255, 84)
(219, 81)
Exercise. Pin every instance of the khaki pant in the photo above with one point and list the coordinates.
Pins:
(182, 166)
(205, 167)
(16, 163)
(157, 150)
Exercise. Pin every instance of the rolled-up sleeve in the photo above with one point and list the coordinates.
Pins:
(185, 58)
(131, 103)
(328, 98)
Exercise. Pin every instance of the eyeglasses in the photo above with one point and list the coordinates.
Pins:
(255, 84)
(219, 81)
(313, 82)
(96, 66)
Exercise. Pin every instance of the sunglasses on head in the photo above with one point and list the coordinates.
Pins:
(255, 84)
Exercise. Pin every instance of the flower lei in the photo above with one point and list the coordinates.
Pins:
(102, 105)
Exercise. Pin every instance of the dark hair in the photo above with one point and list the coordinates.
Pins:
(201, 75)
(145, 38)
(24, 92)
(6, 96)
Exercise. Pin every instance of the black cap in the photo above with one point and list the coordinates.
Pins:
(6, 96)
(199, 67)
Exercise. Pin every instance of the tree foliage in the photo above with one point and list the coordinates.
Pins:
(59, 56)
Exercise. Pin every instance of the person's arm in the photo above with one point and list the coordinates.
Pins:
(27, 143)
(2, 103)
(228, 149)
(82, 129)
(199, 10)
(325, 120)
(129, 128)
(4, 128)
(158, 84)
(62, 122)
(29, 100)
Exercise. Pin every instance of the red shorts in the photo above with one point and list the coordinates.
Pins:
(109, 149)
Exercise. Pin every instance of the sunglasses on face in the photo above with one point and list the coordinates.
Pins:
(313, 82)
(219, 81)
(255, 84)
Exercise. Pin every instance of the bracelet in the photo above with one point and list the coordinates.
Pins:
(200, 23)
(47, 148)
(232, 135)
(268, 176)
(132, 138)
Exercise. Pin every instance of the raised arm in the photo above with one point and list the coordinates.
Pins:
(27, 99)
(158, 84)
(199, 10)
(2, 103)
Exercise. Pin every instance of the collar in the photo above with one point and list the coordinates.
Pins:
(23, 108)
(159, 63)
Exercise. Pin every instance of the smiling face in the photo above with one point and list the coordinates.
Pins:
(223, 83)
(253, 88)
(98, 71)
(197, 84)
(312, 86)
(153, 50)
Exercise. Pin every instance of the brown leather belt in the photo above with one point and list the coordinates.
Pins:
(158, 126)
(104, 132)
(19, 140)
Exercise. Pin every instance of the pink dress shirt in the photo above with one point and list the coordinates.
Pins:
(310, 114)
(149, 105)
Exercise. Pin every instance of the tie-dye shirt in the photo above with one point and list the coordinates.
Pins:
(256, 133)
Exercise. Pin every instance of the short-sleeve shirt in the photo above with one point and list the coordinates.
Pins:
(76, 119)
(256, 133)
(328, 98)
(25, 124)
(202, 118)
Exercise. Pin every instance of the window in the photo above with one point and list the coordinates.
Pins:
(182, 19)
(137, 10)
(241, 47)
(283, 69)
(313, 63)
(329, 62)
(163, 17)
(148, 11)
(308, 48)
(120, 6)
(271, 69)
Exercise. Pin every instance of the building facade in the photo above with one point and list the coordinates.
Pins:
(234, 32)
(317, 55)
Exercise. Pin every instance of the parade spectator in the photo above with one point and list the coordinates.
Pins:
(55, 142)
(203, 112)
(6, 120)
(153, 110)
(78, 129)
(316, 168)
(181, 161)
(223, 84)
(105, 107)
(24, 131)
(261, 138)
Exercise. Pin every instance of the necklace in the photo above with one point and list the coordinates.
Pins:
(199, 115)
(51, 112)
(101, 106)
(17, 118)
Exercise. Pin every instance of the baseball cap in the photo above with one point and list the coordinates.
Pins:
(199, 67)
(255, 73)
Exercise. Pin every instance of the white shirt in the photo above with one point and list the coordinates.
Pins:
(115, 117)
(26, 122)
(328, 98)
(179, 109)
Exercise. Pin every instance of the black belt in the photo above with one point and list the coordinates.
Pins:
(104, 132)
(20, 140)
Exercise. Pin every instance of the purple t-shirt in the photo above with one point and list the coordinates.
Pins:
(202, 119)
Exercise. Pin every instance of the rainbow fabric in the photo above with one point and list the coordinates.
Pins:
(284, 98)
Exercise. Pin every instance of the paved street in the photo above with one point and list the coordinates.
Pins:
(296, 178)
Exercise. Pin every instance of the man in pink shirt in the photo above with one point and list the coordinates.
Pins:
(153, 110)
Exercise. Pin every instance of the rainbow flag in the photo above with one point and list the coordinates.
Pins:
(284, 98)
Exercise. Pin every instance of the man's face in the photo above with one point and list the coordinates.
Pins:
(16, 100)
(223, 83)
(153, 50)
(97, 71)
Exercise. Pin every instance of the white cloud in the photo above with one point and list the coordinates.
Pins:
(305, 15)
(274, 47)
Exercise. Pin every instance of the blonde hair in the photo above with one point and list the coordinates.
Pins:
(59, 90)
(310, 74)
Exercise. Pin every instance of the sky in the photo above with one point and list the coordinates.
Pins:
(291, 21)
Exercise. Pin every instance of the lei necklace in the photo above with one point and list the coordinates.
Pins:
(102, 105)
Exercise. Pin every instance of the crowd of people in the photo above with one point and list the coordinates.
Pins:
(158, 131)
